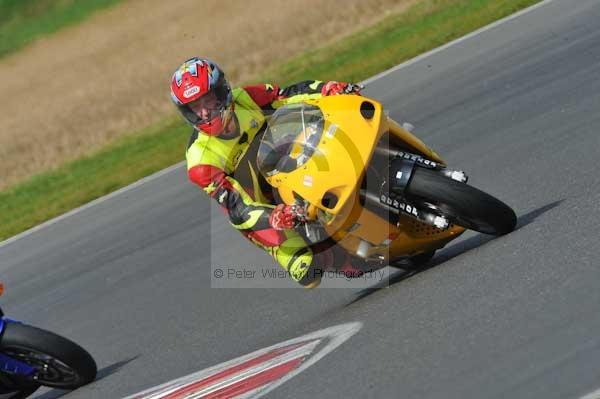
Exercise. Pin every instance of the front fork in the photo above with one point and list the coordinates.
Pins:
(8, 364)
(400, 169)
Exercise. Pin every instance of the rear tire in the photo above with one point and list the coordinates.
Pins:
(464, 205)
(413, 263)
(69, 366)
(421, 260)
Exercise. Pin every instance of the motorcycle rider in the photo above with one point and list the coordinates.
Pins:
(226, 121)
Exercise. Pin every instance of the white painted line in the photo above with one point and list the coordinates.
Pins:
(456, 41)
(314, 346)
(302, 351)
(367, 81)
(93, 203)
(592, 395)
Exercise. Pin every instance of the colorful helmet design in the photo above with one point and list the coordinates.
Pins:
(202, 95)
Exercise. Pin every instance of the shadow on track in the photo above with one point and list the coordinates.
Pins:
(102, 373)
(453, 251)
(113, 368)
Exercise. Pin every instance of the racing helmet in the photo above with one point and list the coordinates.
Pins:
(202, 95)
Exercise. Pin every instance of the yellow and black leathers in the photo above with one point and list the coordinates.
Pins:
(214, 163)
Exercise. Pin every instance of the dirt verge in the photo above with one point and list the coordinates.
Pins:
(77, 90)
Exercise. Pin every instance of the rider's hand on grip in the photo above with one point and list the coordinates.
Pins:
(332, 88)
(286, 216)
(353, 88)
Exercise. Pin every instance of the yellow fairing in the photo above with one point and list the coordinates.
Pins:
(339, 161)
(412, 143)
(336, 169)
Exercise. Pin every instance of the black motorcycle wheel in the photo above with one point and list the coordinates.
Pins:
(464, 205)
(60, 363)
(421, 260)
(20, 387)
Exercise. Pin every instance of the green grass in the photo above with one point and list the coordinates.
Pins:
(22, 21)
(428, 24)
(397, 38)
(81, 181)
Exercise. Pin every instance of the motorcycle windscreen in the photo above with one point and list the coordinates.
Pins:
(291, 139)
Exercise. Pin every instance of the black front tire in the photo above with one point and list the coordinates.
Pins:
(68, 365)
(464, 205)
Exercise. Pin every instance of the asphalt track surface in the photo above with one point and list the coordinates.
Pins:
(517, 107)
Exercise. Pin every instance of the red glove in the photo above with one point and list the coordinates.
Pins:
(332, 88)
(286, 216)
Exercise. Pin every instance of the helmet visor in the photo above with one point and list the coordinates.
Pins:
(203, 109)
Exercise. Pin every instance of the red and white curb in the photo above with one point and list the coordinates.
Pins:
(255, 374)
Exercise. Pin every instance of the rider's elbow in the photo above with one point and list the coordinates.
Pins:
(204, 175)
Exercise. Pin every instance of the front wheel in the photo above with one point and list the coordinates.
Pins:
(60, 363)
(464, 205)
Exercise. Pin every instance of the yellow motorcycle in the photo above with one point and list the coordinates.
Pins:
(368, 184)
